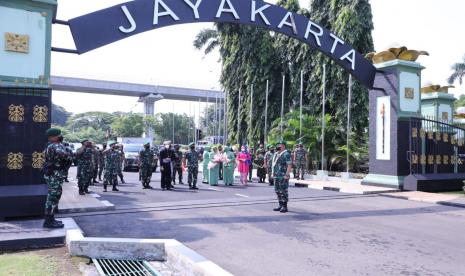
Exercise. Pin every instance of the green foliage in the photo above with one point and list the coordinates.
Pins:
(59, 115)
(162, 124)
(458, 74)
(460, 102)
(131, 125)
(252, 56)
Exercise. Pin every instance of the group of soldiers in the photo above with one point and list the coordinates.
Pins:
(93, 162)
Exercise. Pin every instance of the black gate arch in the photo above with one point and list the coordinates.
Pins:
(112, 24)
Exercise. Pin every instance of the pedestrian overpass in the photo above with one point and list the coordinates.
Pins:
(147, 94)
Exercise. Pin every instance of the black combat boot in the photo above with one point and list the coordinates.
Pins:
(284, 209)
(105, 187)
(279, 208)
(114, 188)
(50, 221)
(81, 191)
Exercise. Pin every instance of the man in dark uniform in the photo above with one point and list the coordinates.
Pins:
(252, 157)
(192, 159)
(146, 157)
(177, 165)
(85, 157)
(55, 157)
(166, 157)
(282, 166)
(101, 161)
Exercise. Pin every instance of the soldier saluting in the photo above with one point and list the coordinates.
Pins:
(112, 162)
(56, 156)
(192, 160)
(146, 157)
(85, 159)
(281, 170)
(177, 164)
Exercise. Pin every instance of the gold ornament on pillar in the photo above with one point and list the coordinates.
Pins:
(436, 88)
(40, 114)
(15, 161)
(38, 160)
(16, 113)
(17, 43)
(401, 53)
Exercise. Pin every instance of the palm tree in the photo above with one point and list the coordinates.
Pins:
(459, 72)
(208, 38)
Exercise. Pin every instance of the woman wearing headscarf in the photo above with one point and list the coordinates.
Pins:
(228, 167)
(214, 168)
(243, 163)
(206, 160)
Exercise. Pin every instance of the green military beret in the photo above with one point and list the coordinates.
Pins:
(191, 144)
(282, 142)
(51, 132)
(84, 141)
(269, 146)
(148, 143)
(111, 143)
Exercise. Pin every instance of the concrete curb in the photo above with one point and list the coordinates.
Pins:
(444, 203)
(341, 190)
(177, 254)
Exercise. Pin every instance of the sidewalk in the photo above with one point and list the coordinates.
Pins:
(72, 202)
(455, 200)
(351, 187)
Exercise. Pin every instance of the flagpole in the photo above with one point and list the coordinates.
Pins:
(225, 123)
(301, 102)
(250, 114)
(282, 106)
(349, 99)
(239, 119)
(173, 124)
(323, 120)
(266, 113)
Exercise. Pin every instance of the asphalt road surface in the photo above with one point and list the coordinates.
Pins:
(325, 232)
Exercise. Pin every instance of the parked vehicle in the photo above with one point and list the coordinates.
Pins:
(131, 156)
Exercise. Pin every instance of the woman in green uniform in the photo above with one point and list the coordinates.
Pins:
(206, 160)
(214, 168)
(229, 167)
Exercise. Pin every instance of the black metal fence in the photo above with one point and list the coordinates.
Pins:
(435, 147)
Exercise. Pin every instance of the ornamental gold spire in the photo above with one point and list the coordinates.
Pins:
(402, 53)
(436, 88)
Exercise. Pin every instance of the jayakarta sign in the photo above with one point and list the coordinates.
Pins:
(106, 26)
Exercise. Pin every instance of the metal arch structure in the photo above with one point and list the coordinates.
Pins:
(115, 23)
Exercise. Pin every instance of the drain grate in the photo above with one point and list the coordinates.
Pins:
(108, 267)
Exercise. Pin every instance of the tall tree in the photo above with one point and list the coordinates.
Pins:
(131, 125)
(59, 115)
(458, 74)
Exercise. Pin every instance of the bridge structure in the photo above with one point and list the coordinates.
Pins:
(147, 94)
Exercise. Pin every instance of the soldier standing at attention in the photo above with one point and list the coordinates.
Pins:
(101, 161)
(206, 160)
(300, 161)
(252, 156)
(112, 162)
(55, 156)
(146, 157)
(294, 168)
(177, 165)
(192, 160)
(269, 161)
(166, 156)
(122, 156)
(260, 163)
(282, 166)
(85, 156)
(67, 164)
(96, 163)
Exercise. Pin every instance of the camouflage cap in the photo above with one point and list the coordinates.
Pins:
(52, 132)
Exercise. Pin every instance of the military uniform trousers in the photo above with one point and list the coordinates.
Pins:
(146, 174)
(281, 187)
(270, 178)
(54, 190)
(177, 169)
(110, 178)
(299, 170)
(84, 178)
(192, 176)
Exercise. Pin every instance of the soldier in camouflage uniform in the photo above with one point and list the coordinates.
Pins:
(300, 161)
(101, 161)
(294, 168)
(177, 165)
(112, 162)
(260, 164)
(96, 163)
(282, 166)
(55, 157)
(268, 161)
(85, 160)
(121, 163)
(192, 159)
(67, 165)
(146, 158)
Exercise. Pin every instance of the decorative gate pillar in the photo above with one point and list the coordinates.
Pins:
(394, 98)
(25, 103)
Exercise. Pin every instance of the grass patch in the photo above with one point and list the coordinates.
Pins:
(461, 193)
(27, 265)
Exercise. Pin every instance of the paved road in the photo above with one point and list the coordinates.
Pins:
(326, 233)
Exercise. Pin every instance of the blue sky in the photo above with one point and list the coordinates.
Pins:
(167, 57)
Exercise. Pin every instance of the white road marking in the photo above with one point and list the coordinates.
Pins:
(217, 190)
(241, 195)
